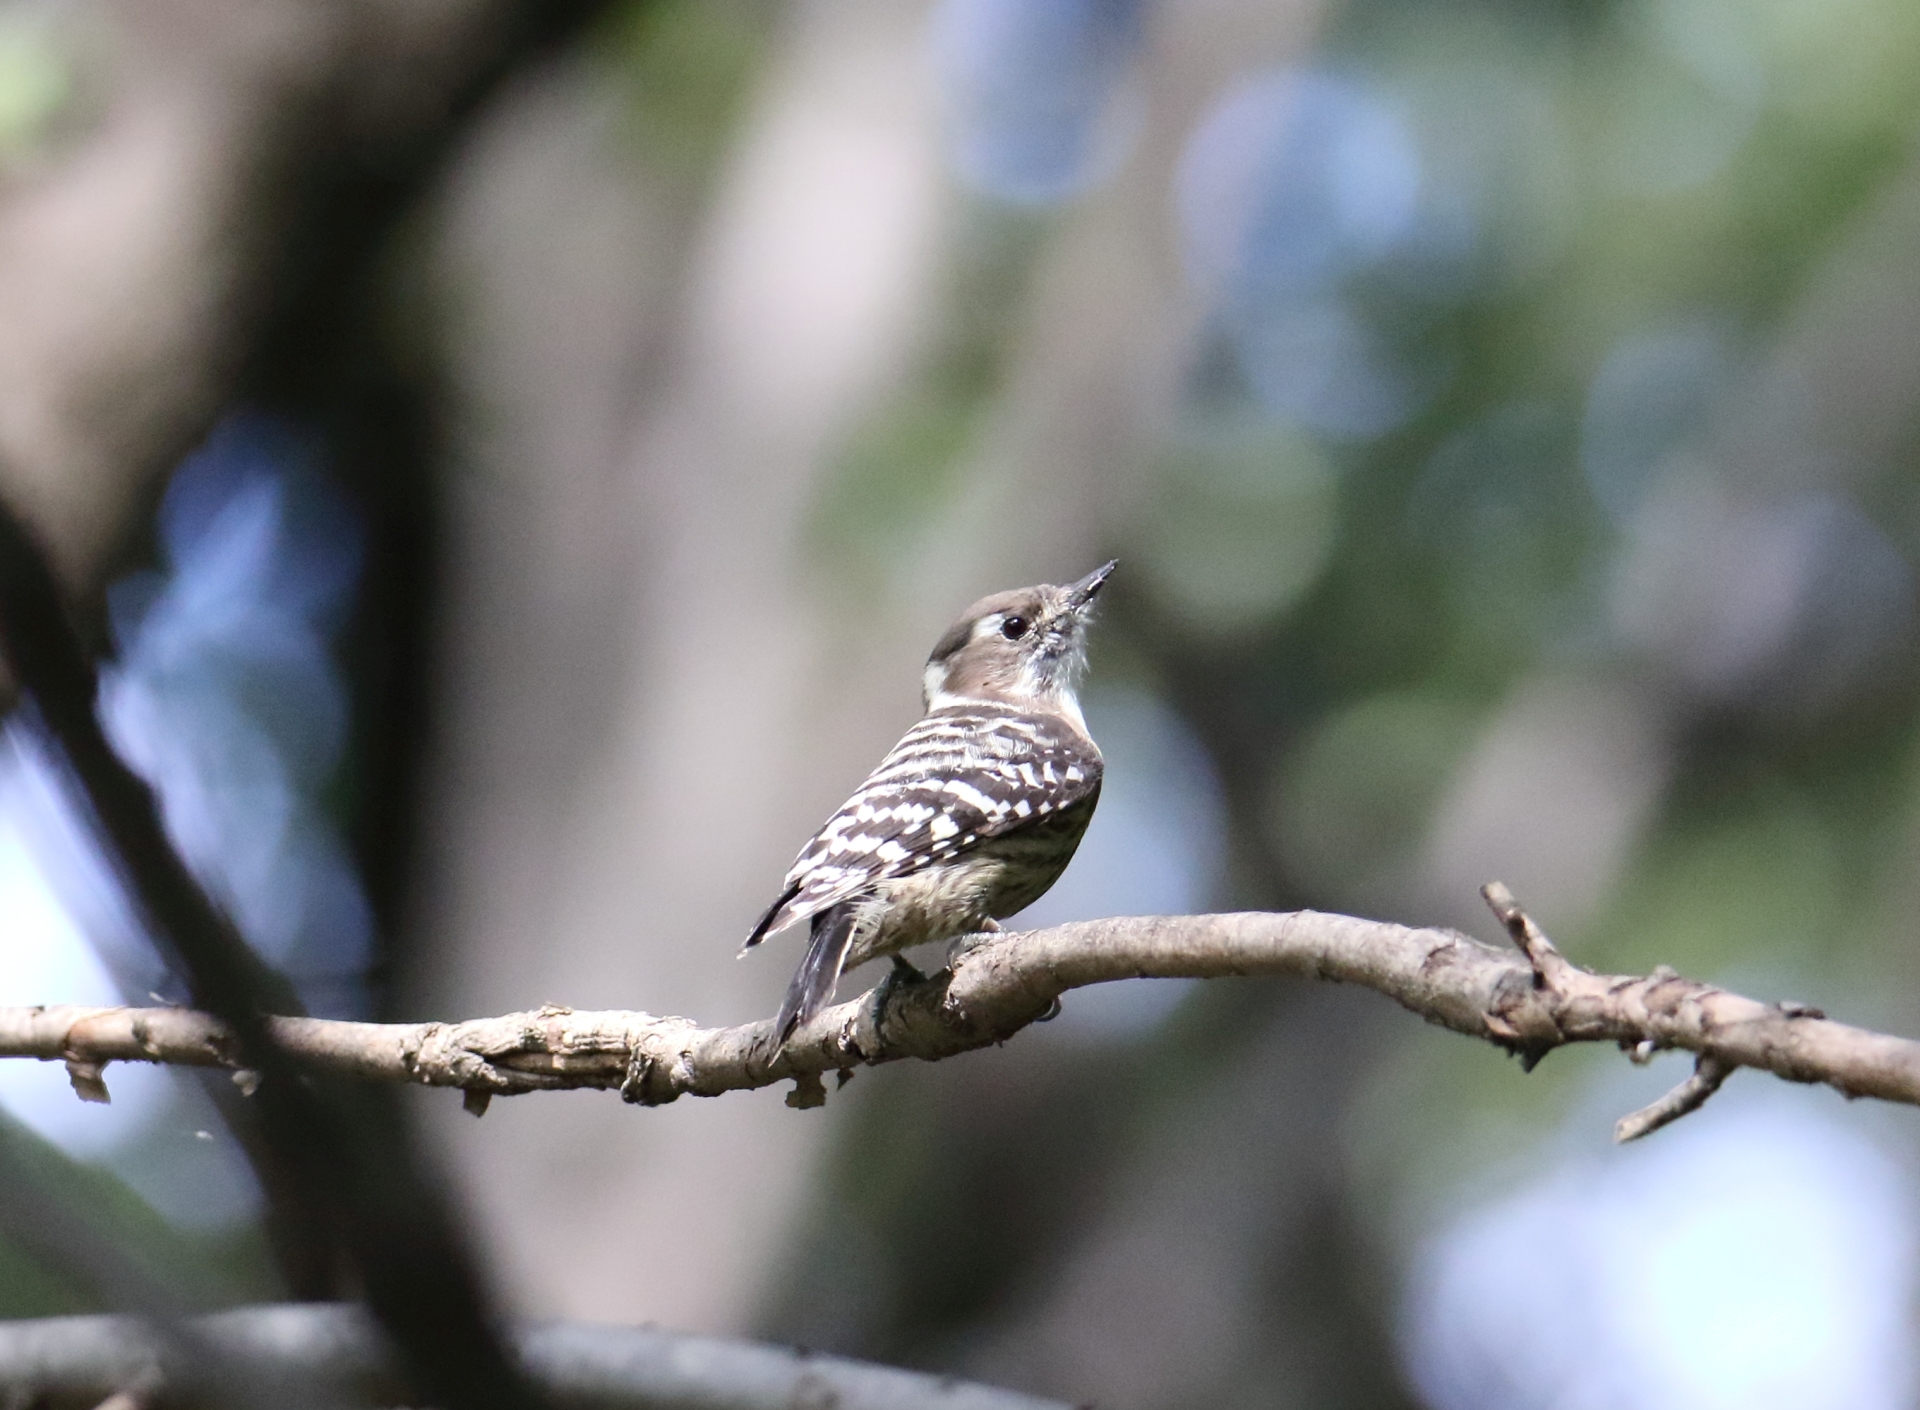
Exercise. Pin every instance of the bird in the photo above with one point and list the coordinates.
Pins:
(973, 815)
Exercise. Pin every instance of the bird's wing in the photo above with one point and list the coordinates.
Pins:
(959, 776)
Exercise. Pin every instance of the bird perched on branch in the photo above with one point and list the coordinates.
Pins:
(975, 812)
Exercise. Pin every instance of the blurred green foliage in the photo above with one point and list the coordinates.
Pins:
(1343, 619)
(1348, 805)
(903, 469)
(37, 80)
(1239, 523)
(194, 1270)
(687, 66)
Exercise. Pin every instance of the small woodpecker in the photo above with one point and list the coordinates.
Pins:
(975, 812)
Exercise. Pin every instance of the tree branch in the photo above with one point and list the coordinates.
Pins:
(335, 1355)
(997, 985)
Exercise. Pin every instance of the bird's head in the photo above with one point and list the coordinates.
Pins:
(1026, 647)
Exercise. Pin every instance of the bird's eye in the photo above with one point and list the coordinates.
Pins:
(1014, 628)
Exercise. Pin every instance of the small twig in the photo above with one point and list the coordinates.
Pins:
(88, 1081)
(1551, 970)
(1708, 1073)
(1547, 961)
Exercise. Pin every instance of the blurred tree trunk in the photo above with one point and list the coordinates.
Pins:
(644, 713)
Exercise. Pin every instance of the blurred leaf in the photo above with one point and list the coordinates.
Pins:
(688, 62)
(1240, 523)
(1350, 805)
(36, 79)
(1758, 884)
(903, 469)
(894, 477)
(1513, 522)
(1847, 65)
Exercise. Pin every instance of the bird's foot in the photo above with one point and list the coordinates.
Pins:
(900, 975)
(963, 945)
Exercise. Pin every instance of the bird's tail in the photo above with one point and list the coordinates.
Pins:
(813, 982)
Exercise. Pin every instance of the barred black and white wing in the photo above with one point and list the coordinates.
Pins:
(963, 774)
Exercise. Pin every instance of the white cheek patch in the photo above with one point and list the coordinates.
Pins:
(933, 684)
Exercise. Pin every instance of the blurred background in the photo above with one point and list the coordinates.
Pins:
(512, 511)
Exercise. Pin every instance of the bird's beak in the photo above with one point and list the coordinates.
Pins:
(1082, 593)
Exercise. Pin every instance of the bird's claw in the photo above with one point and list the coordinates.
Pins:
(900, 975)
(963, 945)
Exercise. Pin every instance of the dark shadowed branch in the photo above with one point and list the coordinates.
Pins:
(329, 159)
(1527, 1003)
(348, 1160)
(335, 1353)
